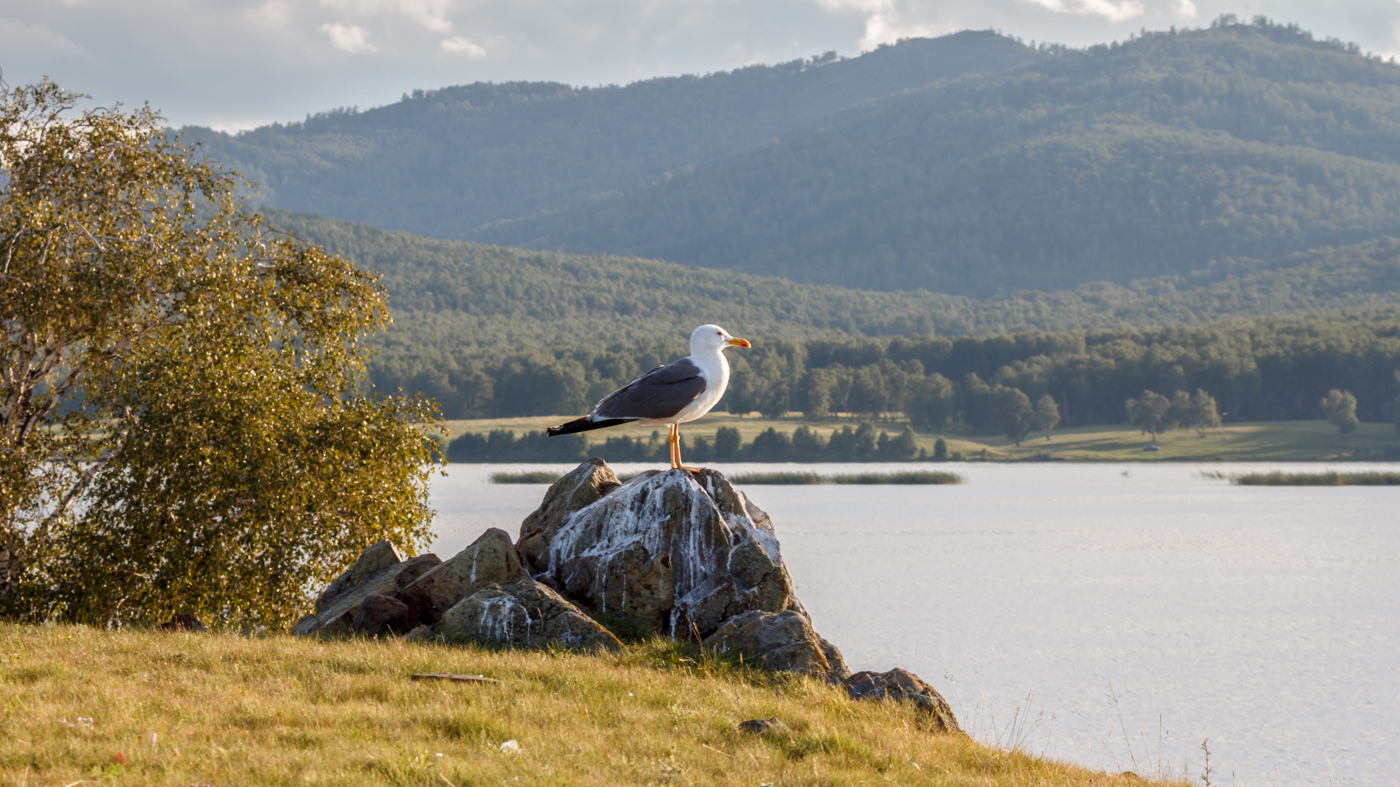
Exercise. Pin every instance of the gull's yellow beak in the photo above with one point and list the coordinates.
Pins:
(738, 343)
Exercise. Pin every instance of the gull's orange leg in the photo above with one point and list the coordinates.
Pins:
(678, 465)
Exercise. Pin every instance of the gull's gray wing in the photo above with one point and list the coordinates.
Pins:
(660, 393)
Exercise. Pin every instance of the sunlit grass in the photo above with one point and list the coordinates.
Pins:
(135, 707)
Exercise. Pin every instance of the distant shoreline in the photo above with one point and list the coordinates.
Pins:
(1265, 441)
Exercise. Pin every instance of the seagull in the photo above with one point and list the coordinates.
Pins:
(679, 392)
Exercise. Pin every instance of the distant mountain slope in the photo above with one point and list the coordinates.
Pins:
(453, 299)
(1147, 159)
(444, 162)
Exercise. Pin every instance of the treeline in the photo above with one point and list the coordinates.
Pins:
(1274, 369)
(844, 444)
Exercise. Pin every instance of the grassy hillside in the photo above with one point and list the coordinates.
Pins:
(139, 707)
(444, 162)
(1123, 162)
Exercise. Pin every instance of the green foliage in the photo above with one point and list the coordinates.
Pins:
(1047, 415)
(1149, 413)
(1014, 413)
(1340, 408)
(181, 431)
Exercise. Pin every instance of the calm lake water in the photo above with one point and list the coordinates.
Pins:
(1111, 615)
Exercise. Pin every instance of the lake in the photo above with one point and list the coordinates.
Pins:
(1114, 615)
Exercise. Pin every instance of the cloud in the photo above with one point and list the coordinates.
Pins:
(1120, 11)
(431, 15)
(348, 38)
(18, 39)
(458, 45)
(1186, 9)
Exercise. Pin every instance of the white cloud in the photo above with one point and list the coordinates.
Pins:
(457, 45)
(348, 38)
(1120, 11)
(272, 14)
(1186, 10)
(429, 14)
(18, 38)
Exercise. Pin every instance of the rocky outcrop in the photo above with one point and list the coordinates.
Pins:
(780, 641)
(490, 560)
(519, 614)
(903, 685)
(379, 571)
(674, 552)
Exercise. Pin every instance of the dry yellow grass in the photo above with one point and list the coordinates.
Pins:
(135, 707)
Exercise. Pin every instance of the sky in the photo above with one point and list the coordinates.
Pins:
(237, 64)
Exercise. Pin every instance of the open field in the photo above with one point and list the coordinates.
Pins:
(136, 707)
(1265, 441)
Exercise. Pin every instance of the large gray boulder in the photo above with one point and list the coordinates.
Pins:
(519, 614)
(780, 641)
(674, 552)
(379, 571)
(581, 487)
(490, 560)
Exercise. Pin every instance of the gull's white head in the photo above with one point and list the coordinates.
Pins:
(712, 338)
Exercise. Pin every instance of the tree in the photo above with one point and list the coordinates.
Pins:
(940, 450)
(931, 402)
(182, 429)
(1047, 414)
(1148, 413)
(903, 446)
(1340, 409)
(1014, 413)
(727, 443)
(1203, 412)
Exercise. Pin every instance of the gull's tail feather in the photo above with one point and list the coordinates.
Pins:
(584, 424)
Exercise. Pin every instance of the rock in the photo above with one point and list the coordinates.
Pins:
(899, 684)
(382, 615)
(183, 622)
(760, 726)
(377, 572)
(520, 614)
(779, 641)
(676, 553)
(490, 560)
(582, 487)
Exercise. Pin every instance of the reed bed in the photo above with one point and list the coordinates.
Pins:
(1331, 478)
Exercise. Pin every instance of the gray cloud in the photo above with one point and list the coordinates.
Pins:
(238, 63)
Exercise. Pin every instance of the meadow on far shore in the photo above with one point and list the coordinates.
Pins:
(1260, 441)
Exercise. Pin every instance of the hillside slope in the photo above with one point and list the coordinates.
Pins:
(446, 161)
(1146, 159)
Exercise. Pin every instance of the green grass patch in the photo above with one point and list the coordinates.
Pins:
(1279, 478)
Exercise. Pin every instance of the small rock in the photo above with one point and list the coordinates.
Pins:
(900, 684)
(183, 622)
(522, 614)
(382, 615)
(510, 747)
(760, 726)
(778, 641)
(337, 606)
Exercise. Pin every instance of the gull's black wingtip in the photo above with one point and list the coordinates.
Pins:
(584, 424)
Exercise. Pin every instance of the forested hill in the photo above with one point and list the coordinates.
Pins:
(444, 162)
(1142, 159)
(466, 315)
